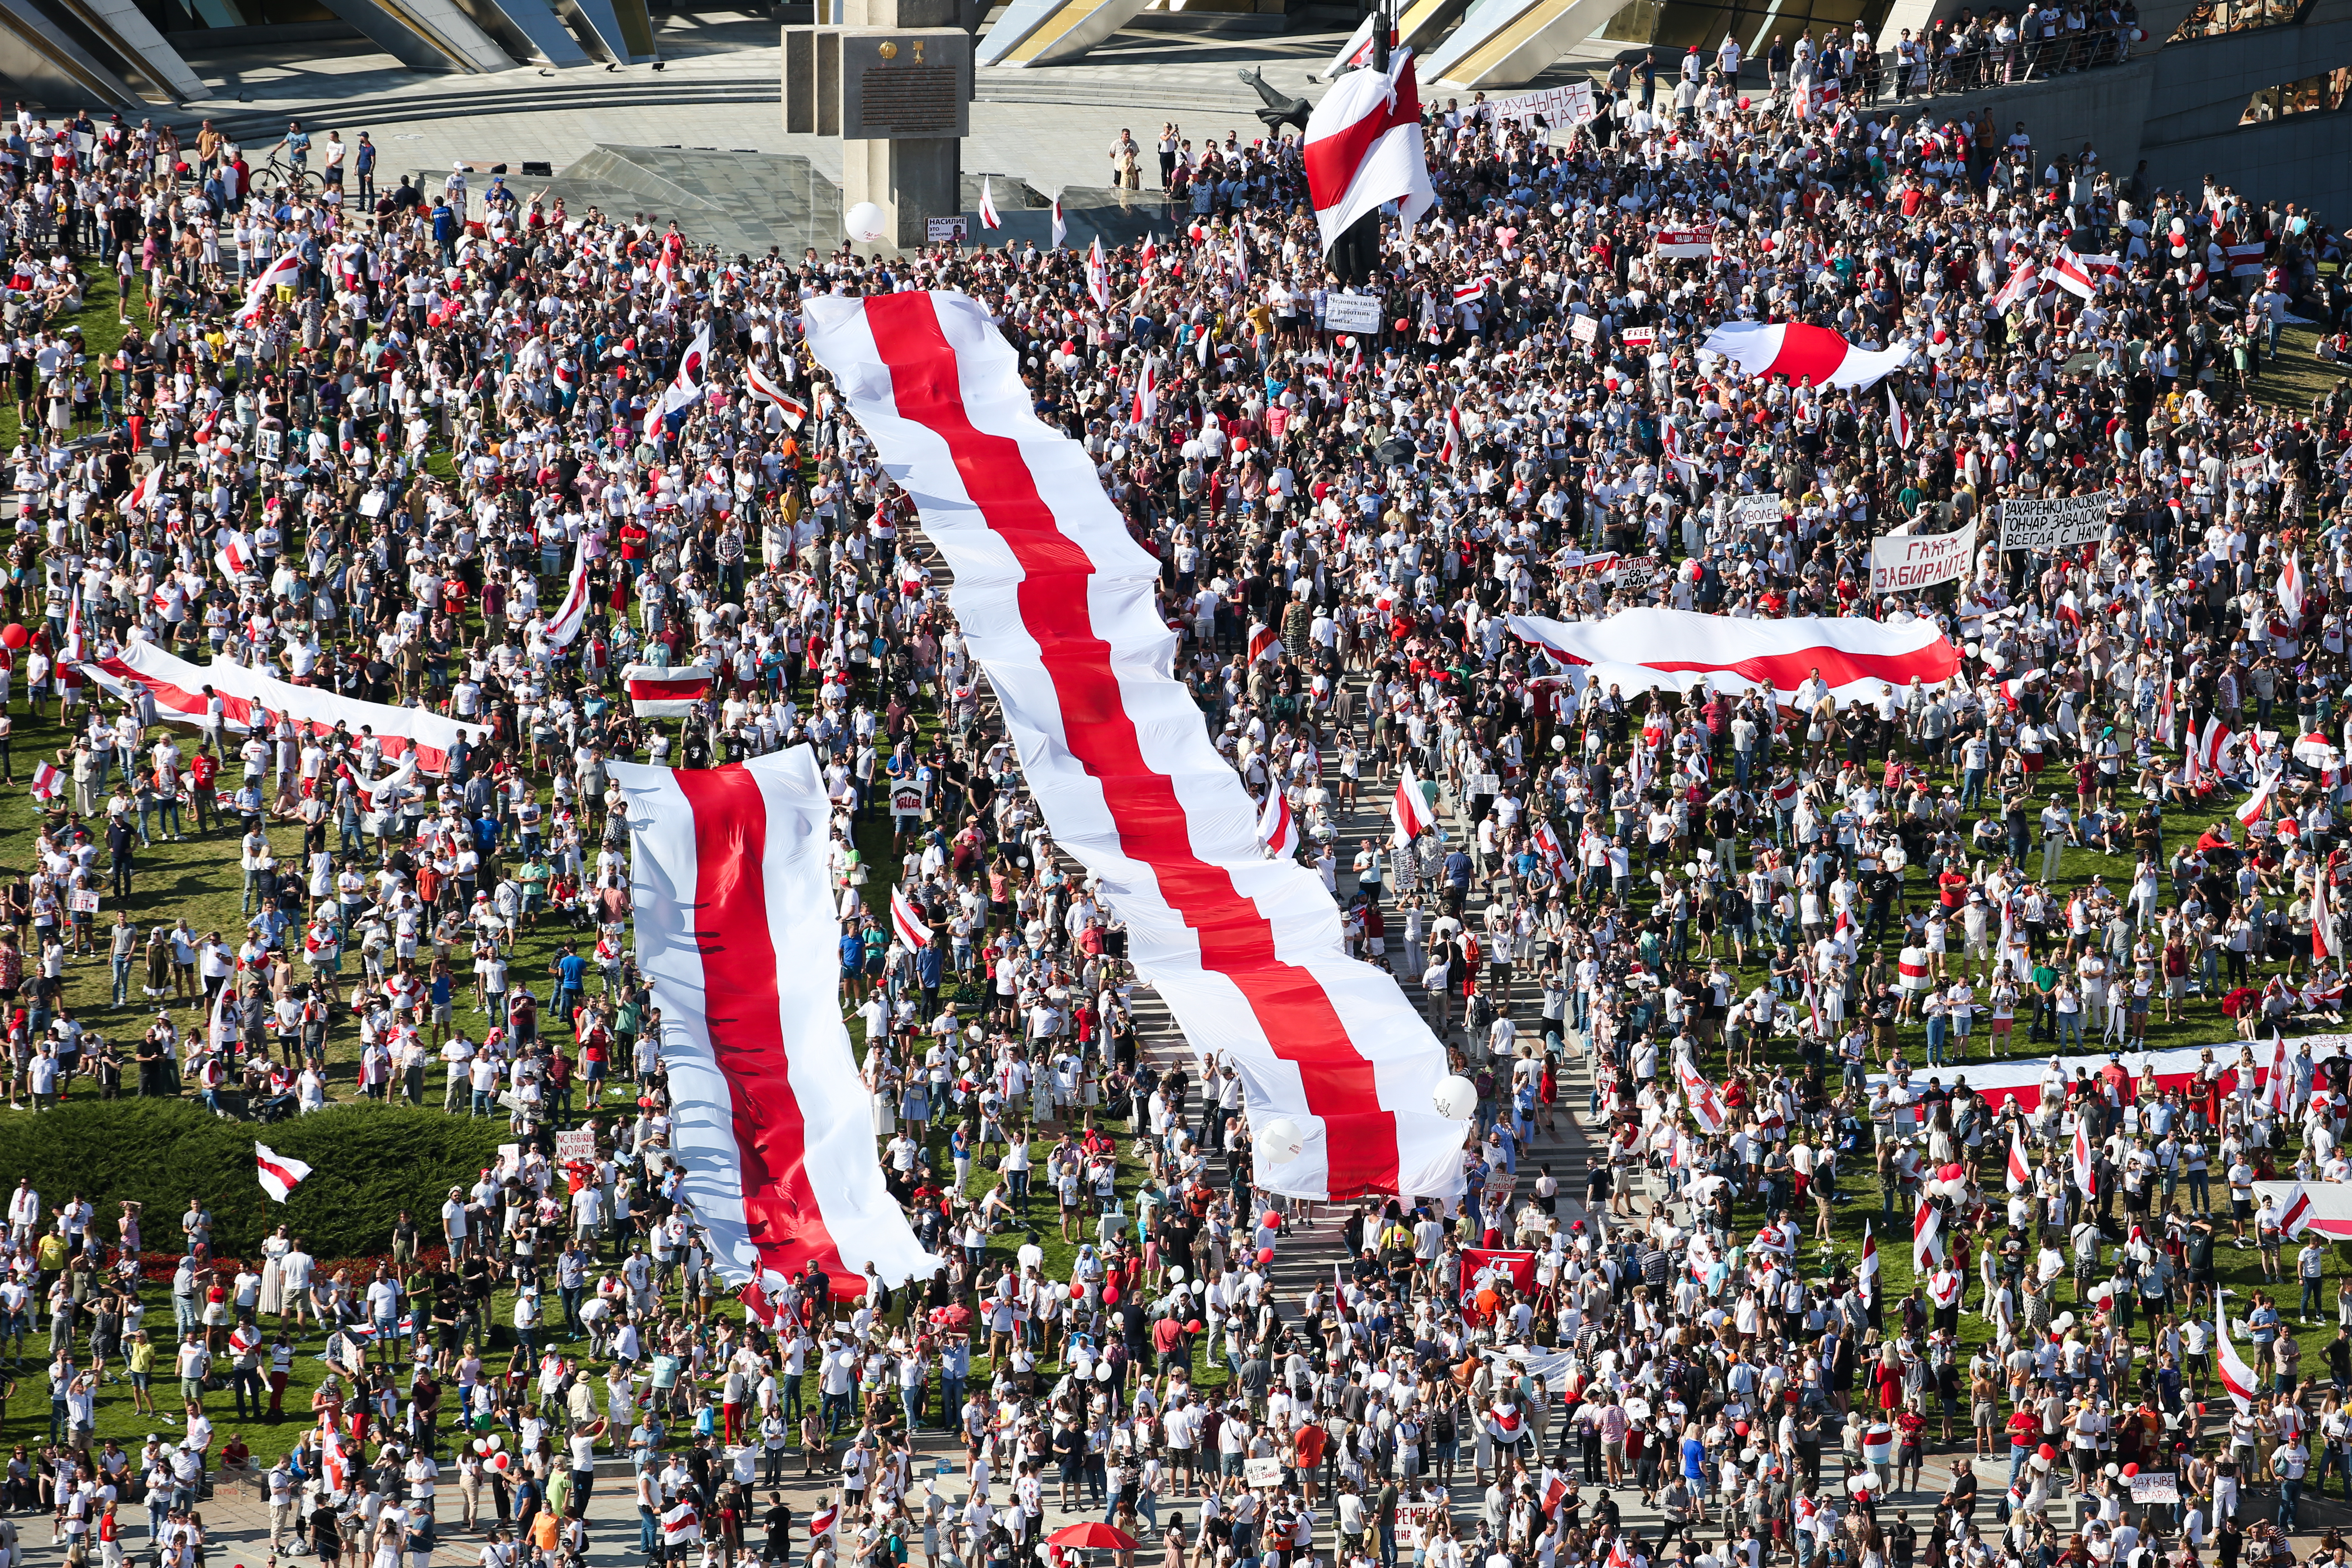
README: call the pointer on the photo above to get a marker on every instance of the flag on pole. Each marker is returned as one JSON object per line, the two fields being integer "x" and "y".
{"x": 1363, "y": 148}
{"x": 1061, "y": 229}
{"x": 1897, "y": 420}
{"x": 281, "y": 1173}
{"x": 48, "y": 781}
{"x": 2021, "y": 1174}
{"x": 573, "y": 613}
{"x": 1264, "y": 642}
{"x": 2236, "y": 1375}
{"x": 988, "y": 219}
{"x": 1926, "y": 1237}
{"x": 1277, "y": 826}
{"x": 908, "y": 921}
{"x": 1866, "y": 1278}
{"x": 283, "y": 269}
{"x": 1706, "y": 1107}
{"x": 1147, "y": 393}
{"x": 2086, "y": 1173}
{"x": 2325, "y": 942}
{"x": 2290, "y": 588}
{"x": 1098, "y": 276}
{"x": 1409, "y": 809}
{"x": 771, "y": 390}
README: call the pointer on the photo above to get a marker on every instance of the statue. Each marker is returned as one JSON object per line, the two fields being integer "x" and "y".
{"x": 1279, "y": 111}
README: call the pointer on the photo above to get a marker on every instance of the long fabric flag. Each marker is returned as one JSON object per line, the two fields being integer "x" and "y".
{"x": 249, "y": 696}
{"x": 774, "y": 1128}
{"x": 666, "y": 691}
{"x": 1803, "y": 352}
{"x": 2236, "y": 1375}
{"x": 573, "y": 613}
{"x": 1057, "y": 602}
{"x": 1681, "y": 650}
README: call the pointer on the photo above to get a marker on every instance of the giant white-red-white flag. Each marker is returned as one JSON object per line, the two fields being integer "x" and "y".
{"x": 1058, "y": 603}
{"x": 1681, "y": 650}
{"x": 1363, "y": 148}
{"x": 773, "y": 1126}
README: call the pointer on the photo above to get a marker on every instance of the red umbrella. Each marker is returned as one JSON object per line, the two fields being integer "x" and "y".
{"x": 1092, "y": 1534}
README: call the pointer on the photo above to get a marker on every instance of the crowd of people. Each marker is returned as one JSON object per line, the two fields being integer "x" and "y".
{"x": 373, "y": 478}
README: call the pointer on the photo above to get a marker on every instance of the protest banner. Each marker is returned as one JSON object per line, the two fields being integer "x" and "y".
{"x": 1749, "y": 511}
{"x": 2054, "y": 522}
{"x": 1572, "y": 105}
{"x": 1639, "y": 337}
{"x": 1350, "y": 312}
{"x": 1584, "y": 329}
{"x": 1263, "y": 1471}
{"x": 1902, "y": 561}
{"x": 1685, "y": 244}
{"x": 2156, "y": 1488}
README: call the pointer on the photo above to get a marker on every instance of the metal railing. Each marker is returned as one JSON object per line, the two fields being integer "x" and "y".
{"x": 1987, "y": 63}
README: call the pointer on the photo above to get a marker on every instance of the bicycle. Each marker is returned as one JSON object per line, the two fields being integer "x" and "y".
{"x": 286, "y": 175}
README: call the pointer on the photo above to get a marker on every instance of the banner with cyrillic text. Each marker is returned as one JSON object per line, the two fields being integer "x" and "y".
{"x": 1900, "y": 563}
{"x": 2054, "y": 522}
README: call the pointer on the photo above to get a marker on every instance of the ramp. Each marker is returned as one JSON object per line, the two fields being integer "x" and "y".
{"x": 1052, "y": 32}
{"x": 44, "y": 64}
{"x": 1509, "y": 43}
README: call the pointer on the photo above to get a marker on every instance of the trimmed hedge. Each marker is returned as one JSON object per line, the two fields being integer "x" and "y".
{"x": 368, "y": 1162}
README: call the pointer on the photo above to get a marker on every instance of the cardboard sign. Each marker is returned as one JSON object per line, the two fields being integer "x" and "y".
{"x": 2161, "y": 1487}
{"x": 1262, "y": 1472}
{"x": 1351, "y": 313}
{"x": 579, "y": 1143}
{"x": 1750, "y": 512}
{"x": 1904, "y": 560}
{"x": 1685, "y": 244}
{"x": 907, "y": 797}
{"x": 1638, "y": 337}
{"x": 2054, "y": 522}
{"x": 944, "y": 230}
{"x": 1584, "y": 329}
{"x": 1572, "y": 105}
{"x": 82, "y": 902}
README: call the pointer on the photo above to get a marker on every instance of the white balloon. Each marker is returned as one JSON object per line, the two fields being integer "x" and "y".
{"x": 1281, "y": 1141}
{"x": 1456, "y": 1099}
{"x": 1176, "y": 1272}
{"x": 865, "y": 221}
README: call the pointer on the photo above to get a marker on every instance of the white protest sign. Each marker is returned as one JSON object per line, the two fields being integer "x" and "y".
{"x": 2054, "y": 522}
{"x": 1262, "y": 1472}
{"x": 2159, "y": 1488}
{"x": 1902, "y": 561}
{"x": 1350, "y": 312}
{"x": 1572, "y": 105}
{"x": 1749, "y": 511}
{"x": 579, "y": 1143}
{"x": 1584, "y": 329}
{"x": 1639, "y": 337}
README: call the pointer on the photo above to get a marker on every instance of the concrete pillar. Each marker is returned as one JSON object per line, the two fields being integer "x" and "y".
{"x": 912, "y": 179}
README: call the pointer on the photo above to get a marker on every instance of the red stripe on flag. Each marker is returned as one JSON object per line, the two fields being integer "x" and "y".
{"x": 1787, "y": 671}
{"x": 1809, "y": 351}
{"x": 649, "y": 691}
{"x": 1236, "y": 941}
{"x": 741, "y": 1009}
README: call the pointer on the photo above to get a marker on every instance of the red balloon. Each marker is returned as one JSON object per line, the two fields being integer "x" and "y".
{"x": 1265, "y": 1256}
{"x": 1403, "y": 325}
{"x": 2047, "y": 1452}
{"x": 15, "y": 635}
{"x": 2130, "y": 1470}
{"x": 1111, "y": 1295}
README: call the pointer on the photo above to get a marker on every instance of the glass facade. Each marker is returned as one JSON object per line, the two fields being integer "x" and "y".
{"x": 1676, "y": 24}
{"x": 2312, "y": 95}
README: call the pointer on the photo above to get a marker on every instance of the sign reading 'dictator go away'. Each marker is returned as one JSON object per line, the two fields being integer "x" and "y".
{"x": 1903, "y": 562}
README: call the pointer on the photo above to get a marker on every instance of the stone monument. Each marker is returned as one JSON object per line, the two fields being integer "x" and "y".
{"x": 894, "y": 81}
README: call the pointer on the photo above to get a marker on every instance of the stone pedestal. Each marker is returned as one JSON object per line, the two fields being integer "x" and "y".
{"x": 894, "y": 81}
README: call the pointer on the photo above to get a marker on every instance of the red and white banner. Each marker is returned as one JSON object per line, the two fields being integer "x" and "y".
{"x": 1683, "y": 651}
{"x": 1865, "y": 1276}
{"x": 1057, "y": 602}
{"x": 2236, "y": 1375}
{"x": 1926, "y": 1237}
{"x": 773, "y": 1127}
{"x": 284, "y": 269}
{"x": 666, "y": 691}
{"x": 249, "y": 696}
{"x": 1364, "y": 149}
{"x": 281, "y": 1173}
{"x": 1685, "y": 244}
{"x": 1277, "y": 826}
{"x": 1705, "y": 1105}
{"x": 1803, "y": 352}
{"x": 1409, "y": 809}
{"x": 48, "y": 781}
{"x": 2086, "y": 1169}
{"x": 2021, "y": 1170}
